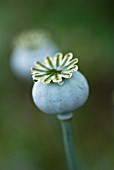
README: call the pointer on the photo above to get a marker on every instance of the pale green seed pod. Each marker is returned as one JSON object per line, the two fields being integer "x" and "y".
{"x": 28, "y": 47}
{"x": 53, "y": 97}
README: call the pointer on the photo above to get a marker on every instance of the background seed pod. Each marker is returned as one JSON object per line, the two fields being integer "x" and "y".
{"x": 24, "y": 55}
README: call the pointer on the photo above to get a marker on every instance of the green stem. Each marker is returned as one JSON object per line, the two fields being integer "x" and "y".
{"x": 68, "y": 143}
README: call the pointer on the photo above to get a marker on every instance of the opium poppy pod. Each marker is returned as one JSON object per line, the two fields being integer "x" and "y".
{"x": 59, "y": 88}
{"x": 28, "y": 47}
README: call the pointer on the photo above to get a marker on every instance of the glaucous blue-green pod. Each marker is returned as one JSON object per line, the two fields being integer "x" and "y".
{"x": 29, "y": 47}
{"x": 61, "y": 99}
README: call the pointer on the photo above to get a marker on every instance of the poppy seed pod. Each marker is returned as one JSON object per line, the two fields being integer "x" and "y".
{"x": 60, "y": 88}
{"x": 28, "y": 47}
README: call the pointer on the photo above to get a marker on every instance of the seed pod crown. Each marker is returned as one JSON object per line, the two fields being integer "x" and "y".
{"x": 55, "y": 69}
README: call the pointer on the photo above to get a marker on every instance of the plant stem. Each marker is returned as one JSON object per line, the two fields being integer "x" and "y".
{"x": 68, "y": 143}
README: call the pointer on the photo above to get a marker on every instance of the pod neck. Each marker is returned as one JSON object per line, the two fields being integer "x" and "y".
{"x": 65, "y": 116}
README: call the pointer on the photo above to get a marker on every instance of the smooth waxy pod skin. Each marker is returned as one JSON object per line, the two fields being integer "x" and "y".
{"x": 55, "y": 99}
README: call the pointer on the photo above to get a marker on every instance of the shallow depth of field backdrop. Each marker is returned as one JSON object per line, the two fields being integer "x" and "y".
{"x": 31, "y": 140}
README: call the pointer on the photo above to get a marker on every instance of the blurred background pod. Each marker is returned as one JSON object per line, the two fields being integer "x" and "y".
{"x": 28, "y": 47}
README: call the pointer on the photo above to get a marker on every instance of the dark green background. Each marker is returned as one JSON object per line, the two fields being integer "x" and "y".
{"x": 31, "y": 140}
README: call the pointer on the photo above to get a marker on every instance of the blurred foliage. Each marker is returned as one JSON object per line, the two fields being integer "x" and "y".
{"x": 30, "y": 140}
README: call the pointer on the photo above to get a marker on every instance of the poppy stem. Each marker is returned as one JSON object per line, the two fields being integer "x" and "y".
{"x": 69, "y": 143}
